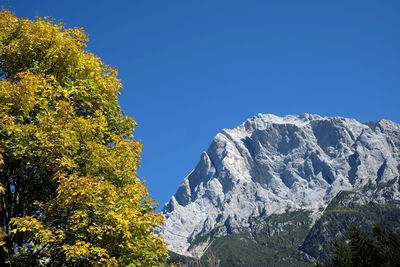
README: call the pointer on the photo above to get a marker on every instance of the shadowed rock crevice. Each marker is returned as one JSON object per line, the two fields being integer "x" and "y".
{"x": 327, "y": 134}
{"x": 354, "y": 162}
{"x": 381, "y": 170}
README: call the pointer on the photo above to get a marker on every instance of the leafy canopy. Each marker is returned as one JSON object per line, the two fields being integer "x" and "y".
{"x": 69, "y": 193}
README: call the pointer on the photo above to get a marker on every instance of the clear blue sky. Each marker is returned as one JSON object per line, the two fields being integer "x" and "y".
{"x": 192, "y": 68}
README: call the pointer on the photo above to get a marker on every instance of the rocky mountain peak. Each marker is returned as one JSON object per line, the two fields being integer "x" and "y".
{"x": 270, "y": 165}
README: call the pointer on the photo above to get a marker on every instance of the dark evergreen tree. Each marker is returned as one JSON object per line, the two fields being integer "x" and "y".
{"x": 343, "y": 257}
{"x": 380, "y": 249}
{"x": 365, "y": 250}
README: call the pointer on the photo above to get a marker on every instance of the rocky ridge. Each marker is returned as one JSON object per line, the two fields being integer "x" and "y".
{"x": 272, "y": 165}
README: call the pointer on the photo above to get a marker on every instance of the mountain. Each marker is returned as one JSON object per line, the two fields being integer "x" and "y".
{"x": 275, "y": 178}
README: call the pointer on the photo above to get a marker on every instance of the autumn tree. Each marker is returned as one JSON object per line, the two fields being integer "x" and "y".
{"x": 69, "y": 194}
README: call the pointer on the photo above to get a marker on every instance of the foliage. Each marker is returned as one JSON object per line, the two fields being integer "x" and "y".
{"x": 343, "y": 254}
{"x": 268, "y": 241}
{"x": 69, "y": 193}
{"x": 343, "y": 211}
{"x": 380, "y": 249}
{"x": 287, "y": 240}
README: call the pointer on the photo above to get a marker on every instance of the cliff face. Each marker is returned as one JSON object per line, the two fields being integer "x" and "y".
{"x": 272, "y": 165}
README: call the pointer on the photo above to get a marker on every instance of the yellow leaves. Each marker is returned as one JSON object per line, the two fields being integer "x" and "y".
{"x": 18, "y": 98}
{"x": 62, "y": 126}
{"x": 2, "y": 189}
{"x": 80, "y": 248}
{"x": 79, "y": 217}
{"x": 43, "y": 236}
{"x": 100, "y": 211}
{"x": 75, "y": 192}
{"x": 46, "y": 46}
{"x": 84, "y": 249}
{"x": 1, "y": 162}
{"x": 2, "y": 242}
{"x": 39, "y": 231}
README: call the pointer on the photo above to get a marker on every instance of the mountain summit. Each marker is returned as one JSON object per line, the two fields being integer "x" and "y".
{"x": 275, "y": 165}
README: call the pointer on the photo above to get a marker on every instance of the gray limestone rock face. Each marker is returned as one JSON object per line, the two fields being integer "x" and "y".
{"x": 270, "y": 165}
